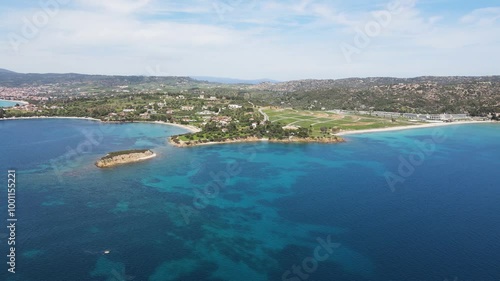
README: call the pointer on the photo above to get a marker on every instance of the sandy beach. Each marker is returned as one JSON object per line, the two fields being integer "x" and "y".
{"x": 194, "y": 129}
{"x": 190, "y": 128}
{"x": 411, "y": 127}
{"x": 49, "y": 117}
{"x": 17, "y": 101}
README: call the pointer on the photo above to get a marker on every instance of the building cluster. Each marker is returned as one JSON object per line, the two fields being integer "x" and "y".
{"x": 25, "y": 93}
{"x": 437, "y": 117}
{"x": 411, "y": 116}
{"x": 424, "y": 117}
{"x": 29, "y": 108}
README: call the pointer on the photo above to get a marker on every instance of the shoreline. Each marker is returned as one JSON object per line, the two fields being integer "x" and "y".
{"x": 184, "y": 145}
{"x": 120, "y": 160}
{"x": 190, "y": 128}
{"x": 21, "y": 102}
{"x": 146, "y": 157}
{"x": 51, "y": 117}
{"x": 193, "y": 129}
{"x": 261, "y": 140}
{"x": 410, "y": 127}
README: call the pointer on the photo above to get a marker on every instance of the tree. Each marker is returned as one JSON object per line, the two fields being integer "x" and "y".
{"x": 231, "y": 127}
{"x": 2, "y": 113}
{"x": 210, "y": 127}
{"x": 303, "y": 133}
{"x": 323, "y": 130}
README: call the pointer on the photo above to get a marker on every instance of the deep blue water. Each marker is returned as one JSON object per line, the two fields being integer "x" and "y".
{"x": 252, "y": 211}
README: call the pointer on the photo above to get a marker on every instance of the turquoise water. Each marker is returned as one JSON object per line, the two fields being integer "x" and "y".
{"x": 253, "y": 211}
{"x": 6, "y": 103}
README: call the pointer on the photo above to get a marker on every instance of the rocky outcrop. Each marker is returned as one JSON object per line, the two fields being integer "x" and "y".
{"x": 333, "y": 139}
{"x": 124, "y": 157}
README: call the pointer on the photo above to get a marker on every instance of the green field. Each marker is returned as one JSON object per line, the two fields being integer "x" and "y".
{"x": 318, "y": 119}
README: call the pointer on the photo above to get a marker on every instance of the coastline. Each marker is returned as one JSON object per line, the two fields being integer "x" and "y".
{"x": 255, "y": 139}
{"x": 124, "y": 159}
{"x": 21, "y": 102}
{"x": 193, "y": 129}
{"x": 51, "y": 117}
{"x": 190, "y": 128}
{"x": 410, "y": 127}
{"x": 147, "y": 157}
{"x": 248, "y": 140}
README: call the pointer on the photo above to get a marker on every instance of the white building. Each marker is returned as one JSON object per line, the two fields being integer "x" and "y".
{"x": 187, "y": 108}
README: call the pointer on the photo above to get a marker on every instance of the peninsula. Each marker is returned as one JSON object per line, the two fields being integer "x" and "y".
{"x": 124, "y": 157}
{"x": 178, "y": 142}
{"x": 303, "y": 111}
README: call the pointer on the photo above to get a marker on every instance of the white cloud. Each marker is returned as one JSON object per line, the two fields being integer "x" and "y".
{"x": 274, "y": 39}
{"x": 483, "y": 17}
{"x": 119, "y": 6}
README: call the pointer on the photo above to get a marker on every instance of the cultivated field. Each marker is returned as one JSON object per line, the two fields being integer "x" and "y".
{"x": 331, "y": 121}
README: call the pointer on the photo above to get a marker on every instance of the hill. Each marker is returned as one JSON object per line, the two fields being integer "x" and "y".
{"x": 476, "y": 95}
{"x": 232, "y": 80}
{"x": 454, "y": 94}
{"x": 13, "y": 79}
{"x": 5, "y": 71}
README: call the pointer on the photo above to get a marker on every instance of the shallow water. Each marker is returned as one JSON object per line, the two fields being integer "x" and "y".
{"x": 6, "y": 103}
{"x": 253, "y": 211}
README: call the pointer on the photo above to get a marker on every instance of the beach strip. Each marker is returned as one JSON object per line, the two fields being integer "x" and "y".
{"x": 410, "y": 127}
{"x": 190, "y": 128}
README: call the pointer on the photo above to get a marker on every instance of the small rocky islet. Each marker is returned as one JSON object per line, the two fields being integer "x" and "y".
{"x": 117, "y": 158}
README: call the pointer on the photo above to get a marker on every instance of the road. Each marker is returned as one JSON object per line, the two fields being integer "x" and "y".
{"x": 266, "y": 117}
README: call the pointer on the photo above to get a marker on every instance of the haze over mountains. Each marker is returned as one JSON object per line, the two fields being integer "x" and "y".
{"x": 263, "y": 84}
{"x": 11, "y": 76}
{"x": 232, "y": 80}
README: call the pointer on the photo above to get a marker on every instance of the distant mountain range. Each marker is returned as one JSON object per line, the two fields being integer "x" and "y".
{"x": 232, "y": 80}
{"x": 3, "y": 71}
{"x": 427, "y": 94}
{"x": 14, "y": 77}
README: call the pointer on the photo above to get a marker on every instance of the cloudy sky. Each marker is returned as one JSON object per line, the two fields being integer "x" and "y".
{"x": 252, "y": 39}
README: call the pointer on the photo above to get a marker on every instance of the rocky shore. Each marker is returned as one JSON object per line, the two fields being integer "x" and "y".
{"x": 124, "y": 157}
{"x": 332, "y": 139}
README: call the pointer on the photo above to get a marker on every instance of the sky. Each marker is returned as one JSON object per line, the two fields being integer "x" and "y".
{"x": 252, "y": 39}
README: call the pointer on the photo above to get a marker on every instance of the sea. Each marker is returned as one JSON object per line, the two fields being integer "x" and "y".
{"x": 7, "y": 103}
{"x": 419, "y": 205}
